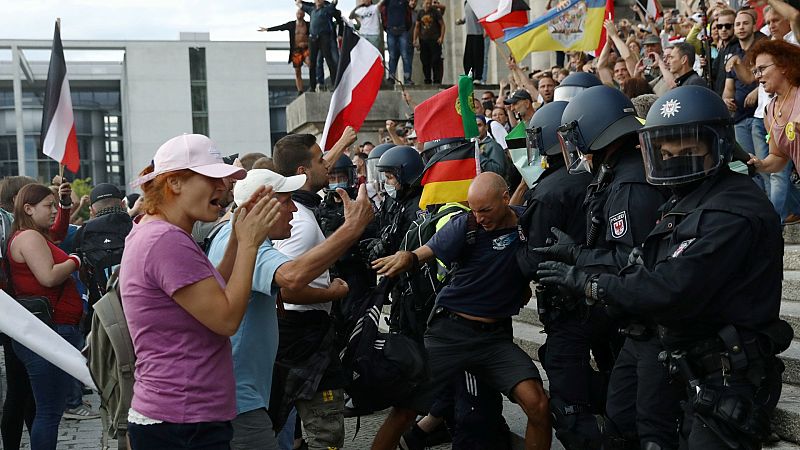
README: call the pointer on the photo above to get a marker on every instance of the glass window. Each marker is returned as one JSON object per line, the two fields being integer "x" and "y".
{"x": 197, "y": 64}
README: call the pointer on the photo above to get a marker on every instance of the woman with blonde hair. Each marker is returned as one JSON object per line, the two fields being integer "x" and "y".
{"x": 39, "y": 268}
{"x": 181, "y": 310}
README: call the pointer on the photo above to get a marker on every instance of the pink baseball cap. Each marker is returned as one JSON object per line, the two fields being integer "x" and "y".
{"x": 195, "y": 152}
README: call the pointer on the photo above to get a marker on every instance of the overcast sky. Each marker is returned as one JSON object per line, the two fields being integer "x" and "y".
{"x": 228, "y": 20}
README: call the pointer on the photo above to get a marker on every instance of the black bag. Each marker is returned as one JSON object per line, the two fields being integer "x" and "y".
{"x": 99, "y": 244}
{"x": 381, "y": 368}
{"x": 38, "y": 306}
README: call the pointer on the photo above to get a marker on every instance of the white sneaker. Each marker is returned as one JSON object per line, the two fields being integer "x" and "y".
{"x": 80, "y": 412}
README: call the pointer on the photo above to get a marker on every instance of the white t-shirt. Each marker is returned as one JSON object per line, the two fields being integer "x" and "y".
{"x": 370, "y": 19}
{"x": 306, "y": 235}
{"x": 791, "y": 38}
{"x": 763, "y": 101}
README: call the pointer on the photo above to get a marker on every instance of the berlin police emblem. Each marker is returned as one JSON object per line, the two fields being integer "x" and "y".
{"x": 619, "y": 224}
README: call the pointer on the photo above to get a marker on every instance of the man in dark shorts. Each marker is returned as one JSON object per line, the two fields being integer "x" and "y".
{"x": 298, "y": 45}
{"x": 471, "y": 325}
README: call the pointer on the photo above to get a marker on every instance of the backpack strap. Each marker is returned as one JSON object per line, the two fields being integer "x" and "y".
{"x": 212, "y": 234}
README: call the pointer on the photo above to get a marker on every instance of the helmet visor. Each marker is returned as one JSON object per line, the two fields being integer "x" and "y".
{"x": 534, "y": 144}
{"x": 373, "y": 174}
{"x": 677, "y": 155}
{"x": 567, "y": 93}
{"x": 573, "y": 148}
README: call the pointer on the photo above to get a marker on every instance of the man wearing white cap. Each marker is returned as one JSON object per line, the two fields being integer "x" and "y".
{"x": 255, "y": 344}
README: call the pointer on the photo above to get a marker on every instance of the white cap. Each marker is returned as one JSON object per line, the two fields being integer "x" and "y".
{"x": 256, "y": 178}
{"x": 195, "y": 152}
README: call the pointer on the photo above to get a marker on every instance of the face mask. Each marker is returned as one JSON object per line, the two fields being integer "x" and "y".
{"x": 334, "y": 186}
{"x": 530, "y": 171}
{"x": 681, "y": 166}
{"x": 391, "y": 190}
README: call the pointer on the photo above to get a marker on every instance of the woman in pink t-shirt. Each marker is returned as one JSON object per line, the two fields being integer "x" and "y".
{"x": 775, "y": 66}
{"x": 180, "y": 309}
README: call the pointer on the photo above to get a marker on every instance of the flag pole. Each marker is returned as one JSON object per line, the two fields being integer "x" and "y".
{"x": 60, "y": 166}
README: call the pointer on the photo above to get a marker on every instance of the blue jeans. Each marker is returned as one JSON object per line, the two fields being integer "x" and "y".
{"x": 399, "y": 46}
{"x": 75, "y": 396}
{"x": 50, "y": 386}
{"x": 173, "y": 436}
{"x": 320, "y": 69}
{"x": 286, "y": 435}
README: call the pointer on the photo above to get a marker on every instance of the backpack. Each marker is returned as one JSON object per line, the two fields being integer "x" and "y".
{"x": 415, "y": 302}
{"x": 111, "y": 360}
{"x": 99, "y": 244}
{"x": 380, "y": 368}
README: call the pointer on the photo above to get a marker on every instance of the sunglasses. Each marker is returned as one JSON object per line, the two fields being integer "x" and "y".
{"x": 726, "y": 26}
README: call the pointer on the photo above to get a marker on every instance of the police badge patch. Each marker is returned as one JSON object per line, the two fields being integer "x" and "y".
{"x": 619, "y": 224}
{"x": 682, "y": 247}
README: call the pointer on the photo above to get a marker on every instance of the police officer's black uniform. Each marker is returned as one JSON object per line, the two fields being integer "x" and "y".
{"x": 621, "y": 209}
{"x": 709, "y": 274}
{"x": 556, "y": 200}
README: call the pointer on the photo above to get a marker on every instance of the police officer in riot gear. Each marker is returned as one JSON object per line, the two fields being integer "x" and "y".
{"x": 399, "y": 169}
{"x": 709, "y": 274}
{"x": 574, "y": 84}
{"x": 351, "y": 267}
{"x": 621, "y": 210}
{"x": 556, "y": 200}
{"x": 374, "y": 177}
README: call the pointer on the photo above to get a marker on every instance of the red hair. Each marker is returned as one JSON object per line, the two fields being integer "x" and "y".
{"x": 157, "y": 191}
{"x": 784, "y": 54}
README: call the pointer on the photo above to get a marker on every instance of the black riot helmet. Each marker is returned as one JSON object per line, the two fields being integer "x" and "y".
{"x": 403, "y": 162}
{"x": 542, "y": 130}
{"x": 372, "y": 161}
{"x": 439, "y": 145}
{"x": 342, "y": 174}
{"x": 574, "y": 84}
{"x": 688, "y": 136}
{"x": 592, "y": 121}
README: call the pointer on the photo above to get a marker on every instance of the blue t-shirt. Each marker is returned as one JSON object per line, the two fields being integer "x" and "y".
{"x": 488, "y": 282}
{"x": 255, "y": 344}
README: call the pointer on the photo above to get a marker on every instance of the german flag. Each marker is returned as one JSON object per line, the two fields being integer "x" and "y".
{"x": 448, "y": 175}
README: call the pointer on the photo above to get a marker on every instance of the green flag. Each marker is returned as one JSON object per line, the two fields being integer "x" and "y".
{"x": 517, "y": 136}
{"x": 468, "y": 113}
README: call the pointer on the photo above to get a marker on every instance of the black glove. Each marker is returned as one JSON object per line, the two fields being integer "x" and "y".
{"x": 570, "y": 279}
{"x": 565, "y": 249}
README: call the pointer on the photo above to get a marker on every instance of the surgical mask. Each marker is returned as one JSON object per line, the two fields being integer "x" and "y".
{"x": 390, "y": 189}
{"x": 334, "y": 186}
{"x": 530, "y": 170}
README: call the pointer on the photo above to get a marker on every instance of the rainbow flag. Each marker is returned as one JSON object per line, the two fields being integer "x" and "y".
{"x": 573, "y": 25}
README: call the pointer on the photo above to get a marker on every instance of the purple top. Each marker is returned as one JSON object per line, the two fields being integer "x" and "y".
{"x": 184, "y": 371}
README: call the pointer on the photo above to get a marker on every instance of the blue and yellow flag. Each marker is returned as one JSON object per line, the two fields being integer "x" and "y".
{"x": 574, "y": 25}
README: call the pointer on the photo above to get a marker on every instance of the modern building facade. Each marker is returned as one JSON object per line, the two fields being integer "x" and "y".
{"x": 142, "y": 94}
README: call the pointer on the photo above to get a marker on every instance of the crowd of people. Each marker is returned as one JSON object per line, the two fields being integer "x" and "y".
{"x": 645, "y": 214}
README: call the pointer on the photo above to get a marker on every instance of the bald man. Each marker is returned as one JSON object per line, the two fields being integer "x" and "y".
{"x": 471, "y": 325}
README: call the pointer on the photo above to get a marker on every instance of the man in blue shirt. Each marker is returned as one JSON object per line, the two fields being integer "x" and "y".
{"x": 322, "y": 36}
{"x": 255, "y": 343}
{"x": 471, "y": 324}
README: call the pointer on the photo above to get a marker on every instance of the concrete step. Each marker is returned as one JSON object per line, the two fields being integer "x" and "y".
{"x": 787, "y": 416}
{"x": 791, "y": 234}
{"x": 791, "y": 285}
{"x": 791, "y": 257}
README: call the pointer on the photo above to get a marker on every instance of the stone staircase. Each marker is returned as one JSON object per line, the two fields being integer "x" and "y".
{"x": 528, "y": 333}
